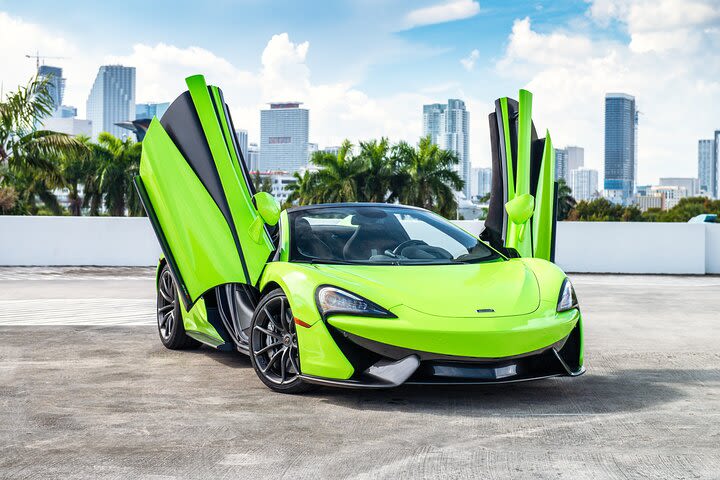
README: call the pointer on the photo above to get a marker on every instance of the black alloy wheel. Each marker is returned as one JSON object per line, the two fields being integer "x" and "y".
{"x": 169, "y": 319}
{"x": 274, "y": 347}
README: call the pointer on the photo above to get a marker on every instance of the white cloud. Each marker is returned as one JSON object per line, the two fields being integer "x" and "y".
{"x": 468, "y": 62}
{"x": 337, "y": 110}
{"x": 447, "y": 11}
{"x": 660, "y": 25}
{"x": 569, "y": 74}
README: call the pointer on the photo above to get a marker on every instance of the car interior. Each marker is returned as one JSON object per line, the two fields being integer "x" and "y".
{"x": 364, "y": 235}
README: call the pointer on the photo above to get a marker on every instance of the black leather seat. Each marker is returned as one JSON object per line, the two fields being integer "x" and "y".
{"x": 307, "y": 243}
{"x": 369, "y": 239}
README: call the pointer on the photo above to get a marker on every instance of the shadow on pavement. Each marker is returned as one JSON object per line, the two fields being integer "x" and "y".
{"x": 622, "y": 391}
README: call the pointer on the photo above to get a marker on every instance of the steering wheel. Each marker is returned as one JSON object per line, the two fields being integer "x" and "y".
{"x": 397, "y": 251}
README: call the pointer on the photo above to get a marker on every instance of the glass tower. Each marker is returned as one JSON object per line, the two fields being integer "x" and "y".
{"x": 150, "y": 110}
{"x": 447, "y": 124}
{"x": 620, "y": 147}
{"x": 561, "y": 164}
{"x": 112, "y": 99}
{"x": 56, "y": 83}
{"x": 283, "y": 137}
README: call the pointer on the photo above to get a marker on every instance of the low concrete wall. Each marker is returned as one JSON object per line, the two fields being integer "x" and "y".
{"x": 597, "y": 247}
{"x": 113, "y": 241}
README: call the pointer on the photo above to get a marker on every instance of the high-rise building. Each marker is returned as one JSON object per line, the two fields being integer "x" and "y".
{"x": 621, "y": 121}
{"x": 253, "y": 157}
{"x": 448, "y": 125}
{"x": 576, "y": 157}
{"x": 284, "y": 137}
{"x": 561, "y": 164}
{"x": 691, "y": 185}
{"x": 56, "y": 83}
{"x": 150, "y": 110}
{"x": 707, "y": 167}
{"x": 242, "y": 139}
{"x": 112, "y": 99}
{"x": 583, "y": 183}
{"x": 484, "y": 181}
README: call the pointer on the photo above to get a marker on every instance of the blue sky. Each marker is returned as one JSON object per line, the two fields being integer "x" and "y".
{"x": 364, "y": 68}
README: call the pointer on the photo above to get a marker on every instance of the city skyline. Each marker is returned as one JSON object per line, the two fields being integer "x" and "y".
{"x": 568, "y": 54}
{"x": 285, "y": 134}
{"x": 447, "y": 124}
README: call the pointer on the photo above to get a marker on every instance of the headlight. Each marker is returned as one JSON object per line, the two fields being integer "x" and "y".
{"x": 332, "y": 300}
{"x": 567, "y": 299}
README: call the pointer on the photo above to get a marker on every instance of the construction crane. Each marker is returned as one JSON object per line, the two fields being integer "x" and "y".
{"x": 37, "y": 58}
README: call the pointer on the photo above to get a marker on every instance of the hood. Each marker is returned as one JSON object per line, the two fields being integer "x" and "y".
{"x": 501, "y": 288}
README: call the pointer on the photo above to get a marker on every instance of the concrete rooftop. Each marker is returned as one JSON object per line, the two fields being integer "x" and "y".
{"x": 88, "y": 391}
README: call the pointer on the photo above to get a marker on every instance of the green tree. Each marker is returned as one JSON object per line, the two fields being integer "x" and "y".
{"x": 78, "y": 169}
{"x": 566, "y": 202}
{"x": 305, "y": 189}
{"x": 29, "y": 156}
{"x": 119, "y": 162}
{"x": 338, "y": 175}
{"x": 686, "y": 209}
{"x": 425, "y": 177}
{"x": 376, "y": 178}
{"x": 261, "y": 184}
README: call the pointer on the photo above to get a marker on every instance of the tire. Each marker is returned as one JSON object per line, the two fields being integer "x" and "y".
{"x": 169, "y": 318}
{"x": 273, "y": 345}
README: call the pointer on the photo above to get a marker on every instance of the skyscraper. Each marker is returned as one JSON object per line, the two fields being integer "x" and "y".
{"x": 242, "y": 139}
{"x": 150, "y": 110}
{"x": 448, "y": 127}
{"x": 576, "y": 157}
{"x": 253, "y": 159}
{"x": 56, "y": 83}
{"x": 284, "y": 137}
{"x": 561, "y": 164}
{"x": 583, "y": 183}
{"x": 620, "y": 147}
{"x": 112, "y": 99}
{"x": 484, "y": 181}
{"x": 706, "y": 166}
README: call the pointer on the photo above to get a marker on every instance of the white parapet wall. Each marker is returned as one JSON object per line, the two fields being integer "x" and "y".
{"x": 593, "y": 247}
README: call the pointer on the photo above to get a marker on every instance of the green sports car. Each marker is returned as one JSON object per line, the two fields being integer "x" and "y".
{"x": 356, "y": 295}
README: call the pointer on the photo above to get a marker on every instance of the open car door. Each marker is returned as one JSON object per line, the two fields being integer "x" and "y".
{"x": 523, "y": 197}
{"x": 197, "y": 193}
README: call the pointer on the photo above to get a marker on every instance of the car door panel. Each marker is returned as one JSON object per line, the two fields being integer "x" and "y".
{"x": 195, "y": 188}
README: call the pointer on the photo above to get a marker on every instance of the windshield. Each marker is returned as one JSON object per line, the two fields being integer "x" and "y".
{"x": 381, "y": 235}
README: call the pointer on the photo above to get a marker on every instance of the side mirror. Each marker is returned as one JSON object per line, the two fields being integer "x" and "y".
{"x": 520, "y": 208}
{"x": 267, "y": 207}
{"x": 269, "y": 212}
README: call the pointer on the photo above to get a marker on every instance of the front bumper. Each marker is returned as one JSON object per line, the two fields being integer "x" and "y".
{"x": 380, "y": 365}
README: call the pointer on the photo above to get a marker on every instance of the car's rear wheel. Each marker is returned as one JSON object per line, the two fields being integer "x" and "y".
{"x": 169, "y": 319}
{"x": 273, "y": 345}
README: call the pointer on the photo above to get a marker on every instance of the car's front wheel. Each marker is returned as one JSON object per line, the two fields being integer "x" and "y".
{"x": 169, "y": 319}
{"x": 273, "y": 345}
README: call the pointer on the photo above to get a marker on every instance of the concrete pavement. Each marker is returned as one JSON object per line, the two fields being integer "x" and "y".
{"x": 87, "y": 391}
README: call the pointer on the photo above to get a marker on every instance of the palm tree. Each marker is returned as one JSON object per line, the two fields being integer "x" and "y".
{"x": 339, "y": 175}
{"x": 261, "y": 184}
{"x": 426, "y": 177}
{"x": 566, "y": 202}
{"x": 374, "y": 182}
{"x": 80, "y": 169}
{"x": 119, "y": 164}
{"x": 29, "y": 155}
{"x": 305, "y": 190}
